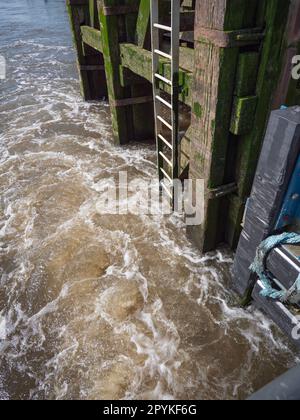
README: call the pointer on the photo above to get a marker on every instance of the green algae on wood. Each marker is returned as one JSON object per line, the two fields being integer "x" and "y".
{"x": 142, "y": 129}
{"x": 78, "y": 16}
{"x": 276, "y": 13}
{"x": 94, "y": 18}
{"x": 92, "y": 37}
{"x": 214, "y": 83}
{"x": 143, "y": 24}
{"x": 247, "y": 74}
{"x": 109, "y": 26}
{"x": 139, "y": 61}
{"x": 243, "y": 115}
{"x": 198, "y": 111}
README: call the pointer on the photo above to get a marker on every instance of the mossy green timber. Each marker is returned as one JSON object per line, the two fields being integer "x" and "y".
{"x": 249, "y": 145}
{"x": 139, "y": 61}
{"x": 91, "y": 37}
{"x": 90, "y": 60}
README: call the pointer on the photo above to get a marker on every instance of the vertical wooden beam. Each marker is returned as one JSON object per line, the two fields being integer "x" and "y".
{"x": 92, "y": 80}
{"x": 138, "y": 31}
{"x": 94, "y": 18}
{"x": 79, "y": 15}
{"x": 128, "y": 121}
{"x": 113, "y": 32}
{"x": 249, "y": 145}
{"x": 143, "y": 25}
{"x": 131, "y": 20}
{"x": 214, "y": 78}
{"x": 226, "y": 89}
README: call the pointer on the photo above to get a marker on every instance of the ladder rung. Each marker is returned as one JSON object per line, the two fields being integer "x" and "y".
{"x": 163, "y": 101}
{"x": 166, "y": 190}
{"x": 163, "y": 27}
{"x": 166, "y": 159}
{"x": 163, "y": 79}
{"x": 166, "y": 175}
{"x": 165, "y": 141}
{"x": 163, "y": 54}
{"x": 165, "y": 123}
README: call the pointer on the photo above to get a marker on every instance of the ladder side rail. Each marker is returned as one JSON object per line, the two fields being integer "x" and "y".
{"x": 175, "y": 24}
{"x": 155, "y": 70}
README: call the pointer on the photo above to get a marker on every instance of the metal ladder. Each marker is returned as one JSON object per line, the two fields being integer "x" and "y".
{"x": 168, "y": 167}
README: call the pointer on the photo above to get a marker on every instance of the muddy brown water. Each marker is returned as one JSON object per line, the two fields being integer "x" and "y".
{"x": 102, "y": 306}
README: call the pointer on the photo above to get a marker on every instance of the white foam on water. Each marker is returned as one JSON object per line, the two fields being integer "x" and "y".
{"x": 2, "y": 327}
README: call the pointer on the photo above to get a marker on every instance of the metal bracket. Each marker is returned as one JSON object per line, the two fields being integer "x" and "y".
{"x": 222, "y": 191}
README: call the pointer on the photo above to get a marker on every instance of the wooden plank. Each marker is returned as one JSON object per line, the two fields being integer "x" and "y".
{"x": 78, "y": 15}
{"x": 128, "y": 102}
{"x": 139, "y": 61}
{"x": 131, "y": 20}
{"x": 133, "y": 101}
{"x": 243, "y": 114}
{"x": 92, "y": 37}
{"x": 90, "y": 62}
{"x": 229, "y": 39}
{"x": 94, "y": 18}
{"x": 142, "y": 129}
{"x": 111, "y": 34}
{"x": 143, "y": 25}
{"x": 246, "y": 77}
{"x": 119, "y": 9}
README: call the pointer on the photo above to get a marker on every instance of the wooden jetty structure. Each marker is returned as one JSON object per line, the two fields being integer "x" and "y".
{"x": 234, "y": 68}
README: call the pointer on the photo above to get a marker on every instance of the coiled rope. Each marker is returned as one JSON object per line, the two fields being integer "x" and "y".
{"x": 259, "y": 266}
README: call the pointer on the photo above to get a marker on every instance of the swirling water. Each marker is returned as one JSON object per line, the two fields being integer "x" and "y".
{"x": 102, "y": 306}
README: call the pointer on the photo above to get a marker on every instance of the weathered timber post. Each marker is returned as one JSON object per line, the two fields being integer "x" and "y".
{"x": 275, "y": 14}
{"x": 94, "y": 17}
{"x": 143, "y": 38}
{"x": 90, "y": 62}
{"x": 237, "y": 64}
{"x": 143, "y": 129}
{"x": 217, "y": 25}
{"x": 112, "y": 26}
{"x": 128, "y": 103}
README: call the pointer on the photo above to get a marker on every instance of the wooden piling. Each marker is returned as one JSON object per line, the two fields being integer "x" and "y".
{"x": 143, "y": 25}
{"x": 118, "y": 25}
{"x": 90, "y": 61}
{"x": 216, "y": 59}
{"x": 238, "y": 58}
{"x": 250, "y": 141}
